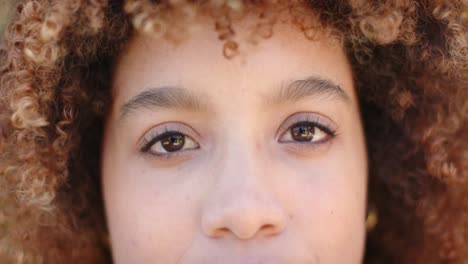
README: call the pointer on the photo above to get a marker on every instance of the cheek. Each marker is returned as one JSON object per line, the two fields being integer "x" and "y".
{"x": 149, "y": 212}
{"x": 328, "y": 198}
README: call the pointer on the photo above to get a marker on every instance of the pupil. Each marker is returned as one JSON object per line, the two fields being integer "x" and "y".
{"x": 173, "y": 143}
{"x": 303, "y": 132}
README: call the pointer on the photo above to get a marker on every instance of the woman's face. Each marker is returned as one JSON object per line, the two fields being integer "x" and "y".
{"x": 258, "y": 159}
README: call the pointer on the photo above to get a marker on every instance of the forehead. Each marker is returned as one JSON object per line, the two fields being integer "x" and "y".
{"x": 198, "y": 61}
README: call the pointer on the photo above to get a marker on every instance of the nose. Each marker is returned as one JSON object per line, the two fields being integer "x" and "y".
{"x": 245, "y": 217}
{"x": 242, "y": 203}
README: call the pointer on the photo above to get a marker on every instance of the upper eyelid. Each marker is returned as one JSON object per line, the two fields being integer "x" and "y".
{"x": 168, "y": 126}
{"x": 306, "y": 116}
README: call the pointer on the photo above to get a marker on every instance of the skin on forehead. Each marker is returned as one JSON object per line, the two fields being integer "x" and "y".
{"x": 211, "y": 46}
{"x": 242, "y": 196}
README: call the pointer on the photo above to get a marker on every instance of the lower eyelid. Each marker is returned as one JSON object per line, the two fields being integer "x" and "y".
{"x": 307, "y": 147}
{"x": 178, "y": 157}
{"x": 307, "y": 143}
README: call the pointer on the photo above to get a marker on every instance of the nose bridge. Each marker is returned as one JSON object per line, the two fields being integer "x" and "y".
{"x": 241, "y": 161}
{"x": 241, "y": 202}
{"x": 242, "y": 167}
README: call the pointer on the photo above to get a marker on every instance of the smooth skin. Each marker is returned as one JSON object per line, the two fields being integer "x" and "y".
{"x": 258, "y": 159}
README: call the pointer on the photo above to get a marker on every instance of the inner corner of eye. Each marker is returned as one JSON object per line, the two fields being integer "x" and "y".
{"x": 284, "y": 136}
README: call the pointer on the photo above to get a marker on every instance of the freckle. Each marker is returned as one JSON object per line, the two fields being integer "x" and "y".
{"x": 187, "y": 198}
{"x": 291, "y": 216}
{"x": 317, "y": 258}
{"x": 133, "y": 242}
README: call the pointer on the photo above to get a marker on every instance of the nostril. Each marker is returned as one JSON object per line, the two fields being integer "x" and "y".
{"x": 269, "y": 229}
{"x": 221, "y": 232}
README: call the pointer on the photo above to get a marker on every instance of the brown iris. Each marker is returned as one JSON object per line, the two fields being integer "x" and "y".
{"x": 303, "y": 132}
{"x": 173, "y": 142}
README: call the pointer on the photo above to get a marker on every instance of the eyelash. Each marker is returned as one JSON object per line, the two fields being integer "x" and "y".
{"x": 327, "y": 130}
{"x": 168, "y": 129}
{"x": 148, "y": 144}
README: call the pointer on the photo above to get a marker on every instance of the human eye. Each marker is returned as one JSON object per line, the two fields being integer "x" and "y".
{"x": 307, "y": 128}
{"x": 168, "y": 140}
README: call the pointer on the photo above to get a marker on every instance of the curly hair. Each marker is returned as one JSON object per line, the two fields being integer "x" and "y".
{"x": 409, "y": 61}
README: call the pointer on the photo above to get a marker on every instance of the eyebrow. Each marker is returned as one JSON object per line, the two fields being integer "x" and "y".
{"x": 311, "y": 86}
{"x": 177, "y": 97}
{"x": 163, "y": 97}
